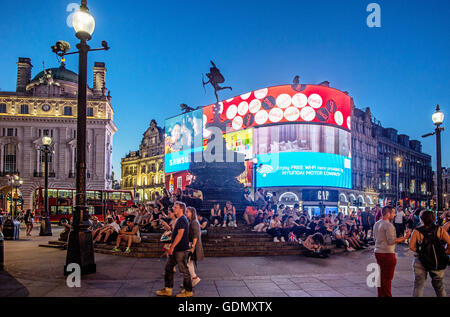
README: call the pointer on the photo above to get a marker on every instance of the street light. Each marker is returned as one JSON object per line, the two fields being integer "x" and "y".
{"x": 46, "y": 227}
{"x": 255, "y": 164}
{"x": 14, "y": 182}
{"x": 80, "y": 248}
{"x": 398, "y": 160}
{"x": 438, "y": 119}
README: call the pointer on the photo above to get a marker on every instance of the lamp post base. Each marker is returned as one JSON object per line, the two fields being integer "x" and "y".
{"x": 80, "y": 250}
{"x": 46, "y": 228}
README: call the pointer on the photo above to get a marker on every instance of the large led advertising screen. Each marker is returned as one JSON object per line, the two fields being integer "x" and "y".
{"x": 300, "y": 134}
{"x": 281, "y": 104}
{"x": 303, "y": 155}
{"x": 303, "y": 169}
{"x": 183, "y": 136}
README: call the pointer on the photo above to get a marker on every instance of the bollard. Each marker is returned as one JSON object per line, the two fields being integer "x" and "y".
{"x": 2, "y": 257}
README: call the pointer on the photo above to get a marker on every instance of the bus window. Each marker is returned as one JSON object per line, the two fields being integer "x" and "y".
{"x": 63, "y": 210}
{"x": 53, "y": 210}
{"x": 63, "y": 193}
{"x": 52, "y": 193}
{"x": 91, "y": 210}
{"x": 114, "y": 196}
{"x": 126, "y": 196}
{"x": 65, "y": 197}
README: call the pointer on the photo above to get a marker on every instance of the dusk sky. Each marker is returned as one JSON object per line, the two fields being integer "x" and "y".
{"x": 160, "y": 49}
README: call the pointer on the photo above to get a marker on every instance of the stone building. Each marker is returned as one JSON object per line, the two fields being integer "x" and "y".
{"x": 374, "y": 166}
{"x": 47, "y": 105}
{"x": 143, "y": 170}
{"x": 364, "y": 163}
{"x": 415, "y": 174}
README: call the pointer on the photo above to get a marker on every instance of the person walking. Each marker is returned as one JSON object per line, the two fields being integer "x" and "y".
{"x": 178, "y": 254}
{"x": 28, "y": 219}
{"x": 195, "y": 239}
{"x": 430, "y": 256}
{"x": 399, "y": 222}
{"x": 385, "y": 242}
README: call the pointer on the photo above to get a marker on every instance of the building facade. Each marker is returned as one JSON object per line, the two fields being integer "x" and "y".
{"x": 143, "y": 170}
{"x": 47, "y": 105}
{"x": 364, "y": 164}
{"x": 404, "y": 171}
{"x": 445, "y": 188}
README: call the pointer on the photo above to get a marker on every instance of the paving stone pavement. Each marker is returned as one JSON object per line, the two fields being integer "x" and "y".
{"x": 38, "y": 272}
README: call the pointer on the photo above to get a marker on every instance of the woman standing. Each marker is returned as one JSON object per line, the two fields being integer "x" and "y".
{"x": 430, "y": 255}
{"x": 28, "y": 219}
{"x": 195, "y": 238}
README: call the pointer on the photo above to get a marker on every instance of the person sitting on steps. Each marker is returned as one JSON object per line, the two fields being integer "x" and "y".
{"x": 130, "y": 233}
{"x": 229, "y": 215}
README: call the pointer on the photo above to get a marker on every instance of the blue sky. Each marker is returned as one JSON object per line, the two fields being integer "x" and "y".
{"x": 161, "y": 48}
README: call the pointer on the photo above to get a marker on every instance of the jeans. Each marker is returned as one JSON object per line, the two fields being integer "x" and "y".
{"x": 387, "y": 263}
{"x": 420, "y": 276}
{"x": 180, "y": 259}
{"x": 225, "y": 218}
{"x": 399, "y": 229}
{"x": 275, "y": 232}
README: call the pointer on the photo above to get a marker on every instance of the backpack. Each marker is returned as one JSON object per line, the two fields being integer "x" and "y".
{"x": 431, "y": 250}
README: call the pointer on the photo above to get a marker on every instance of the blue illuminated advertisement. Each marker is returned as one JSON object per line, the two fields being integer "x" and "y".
{"x": 304, "y": 169}
{"x": 183, "y": 136}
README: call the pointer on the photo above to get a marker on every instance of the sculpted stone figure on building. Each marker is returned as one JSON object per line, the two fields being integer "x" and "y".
{"x": 47, "y": 105}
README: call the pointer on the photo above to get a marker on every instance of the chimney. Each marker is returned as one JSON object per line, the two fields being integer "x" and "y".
{"x": 99, "y": 79}
{"x": 23, "y": 73}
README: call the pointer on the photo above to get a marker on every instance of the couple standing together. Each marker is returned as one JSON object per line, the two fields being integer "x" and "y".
{"x": 427, "y": 242}
{"x": 186, "y": 248}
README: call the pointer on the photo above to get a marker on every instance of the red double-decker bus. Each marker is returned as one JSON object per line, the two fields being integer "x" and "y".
{"x": 61, "y": 202}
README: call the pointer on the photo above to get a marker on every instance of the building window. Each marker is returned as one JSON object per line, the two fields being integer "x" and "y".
{"x": 67, "y": 111}
{"x": 2, "y": 107}
{"x": 90, "y": 112}
{"x": 10, "y": 132}
{"x": 24, "y": 109}
{"x": 9, "y": 158}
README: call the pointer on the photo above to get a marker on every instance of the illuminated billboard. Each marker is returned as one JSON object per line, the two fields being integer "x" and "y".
{"x": 302, "y": 138}
{"x": 300, "y": 134}
{"x": 281, "y": 104}
{"x": 303, "y": 169}
{"x": 183, "y": 136}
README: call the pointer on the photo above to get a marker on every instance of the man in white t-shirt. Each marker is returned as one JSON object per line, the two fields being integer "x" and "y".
{"x": 399, "y": 222}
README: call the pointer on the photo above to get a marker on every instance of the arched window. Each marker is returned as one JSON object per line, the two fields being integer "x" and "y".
{"x": 9, "y": 158}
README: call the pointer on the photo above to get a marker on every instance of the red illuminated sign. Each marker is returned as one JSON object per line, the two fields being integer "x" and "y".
{"x": 281, "y": 104}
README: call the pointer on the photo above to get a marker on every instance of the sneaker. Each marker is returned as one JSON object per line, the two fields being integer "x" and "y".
{"x": 282, "y": 239}
{"x": 128, "y": 250}
{"x": 185, "y": 293}
{"x": 224, "y": 225}
{"x": 275, "y": 239}
{"x": 350, "y": 249}
{"x": 116, "y": 250}
{"x": 195, "y": 281}
{"x": 235, "y": 225}
{"x": 164, "y": 292}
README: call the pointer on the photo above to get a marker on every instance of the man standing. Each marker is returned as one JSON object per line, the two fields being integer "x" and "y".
{"x": 178, "y": 253}
{"x": 365, "y": 220}
{"x": 385, "y": 241}
{"x": 399, "y": 222}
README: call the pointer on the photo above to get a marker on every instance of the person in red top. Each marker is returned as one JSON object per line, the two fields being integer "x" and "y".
{"x": 378, "y": 213}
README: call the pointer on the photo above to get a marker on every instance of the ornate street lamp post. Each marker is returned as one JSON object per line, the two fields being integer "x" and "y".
{"x": 80, "y": 248}
{"x": 46, "y": 227}
{"x": 438, "y": 119}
